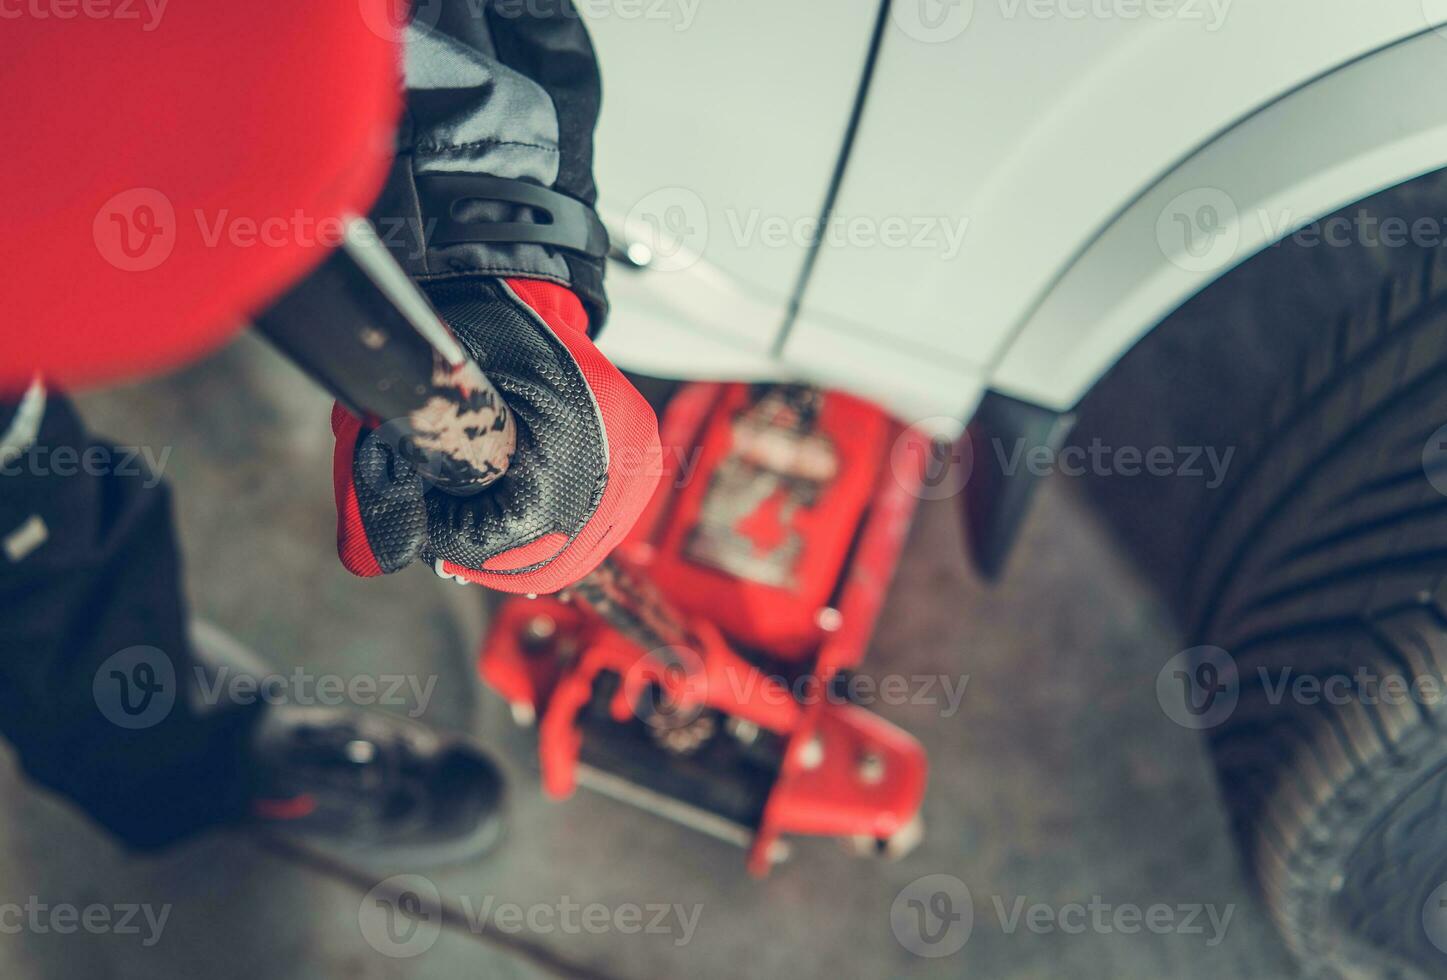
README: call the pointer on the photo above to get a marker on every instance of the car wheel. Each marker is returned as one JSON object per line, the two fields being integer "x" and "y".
{"x": 1319, "y": 607}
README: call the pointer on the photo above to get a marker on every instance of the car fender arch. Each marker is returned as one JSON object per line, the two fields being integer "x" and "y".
{"x": 1332, "y": 141}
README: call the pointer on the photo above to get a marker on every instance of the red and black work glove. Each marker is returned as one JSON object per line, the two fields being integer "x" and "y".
{"x": 574, "y": 488}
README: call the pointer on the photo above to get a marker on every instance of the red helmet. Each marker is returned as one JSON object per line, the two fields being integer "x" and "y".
{"x": 170, "y": 167}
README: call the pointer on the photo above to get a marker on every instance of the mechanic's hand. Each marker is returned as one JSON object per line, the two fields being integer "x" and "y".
{"x": 575, "y": 486}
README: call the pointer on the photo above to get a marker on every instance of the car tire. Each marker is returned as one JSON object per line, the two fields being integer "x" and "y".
{"x": 1318, "y": 603}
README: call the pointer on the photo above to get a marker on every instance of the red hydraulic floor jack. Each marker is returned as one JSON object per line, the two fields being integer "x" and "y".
{"x": 704, "y": 671}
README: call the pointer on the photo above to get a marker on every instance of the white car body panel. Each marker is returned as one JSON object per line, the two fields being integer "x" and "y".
{"x": 1315, "y": 152}
{"x": 1059, "y": 143}
{"x": 678, "y": 76}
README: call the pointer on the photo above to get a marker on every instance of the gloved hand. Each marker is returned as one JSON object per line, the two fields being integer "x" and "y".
{"x": 575, "y": 486}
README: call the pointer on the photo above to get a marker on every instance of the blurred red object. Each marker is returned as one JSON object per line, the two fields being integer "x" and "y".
{"x": 172, "y": 167}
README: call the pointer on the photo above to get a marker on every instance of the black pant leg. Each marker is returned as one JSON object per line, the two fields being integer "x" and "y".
{"x": 98, "y": 687}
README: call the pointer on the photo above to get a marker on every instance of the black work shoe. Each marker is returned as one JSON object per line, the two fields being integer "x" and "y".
{"x": 370, "y": 788}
